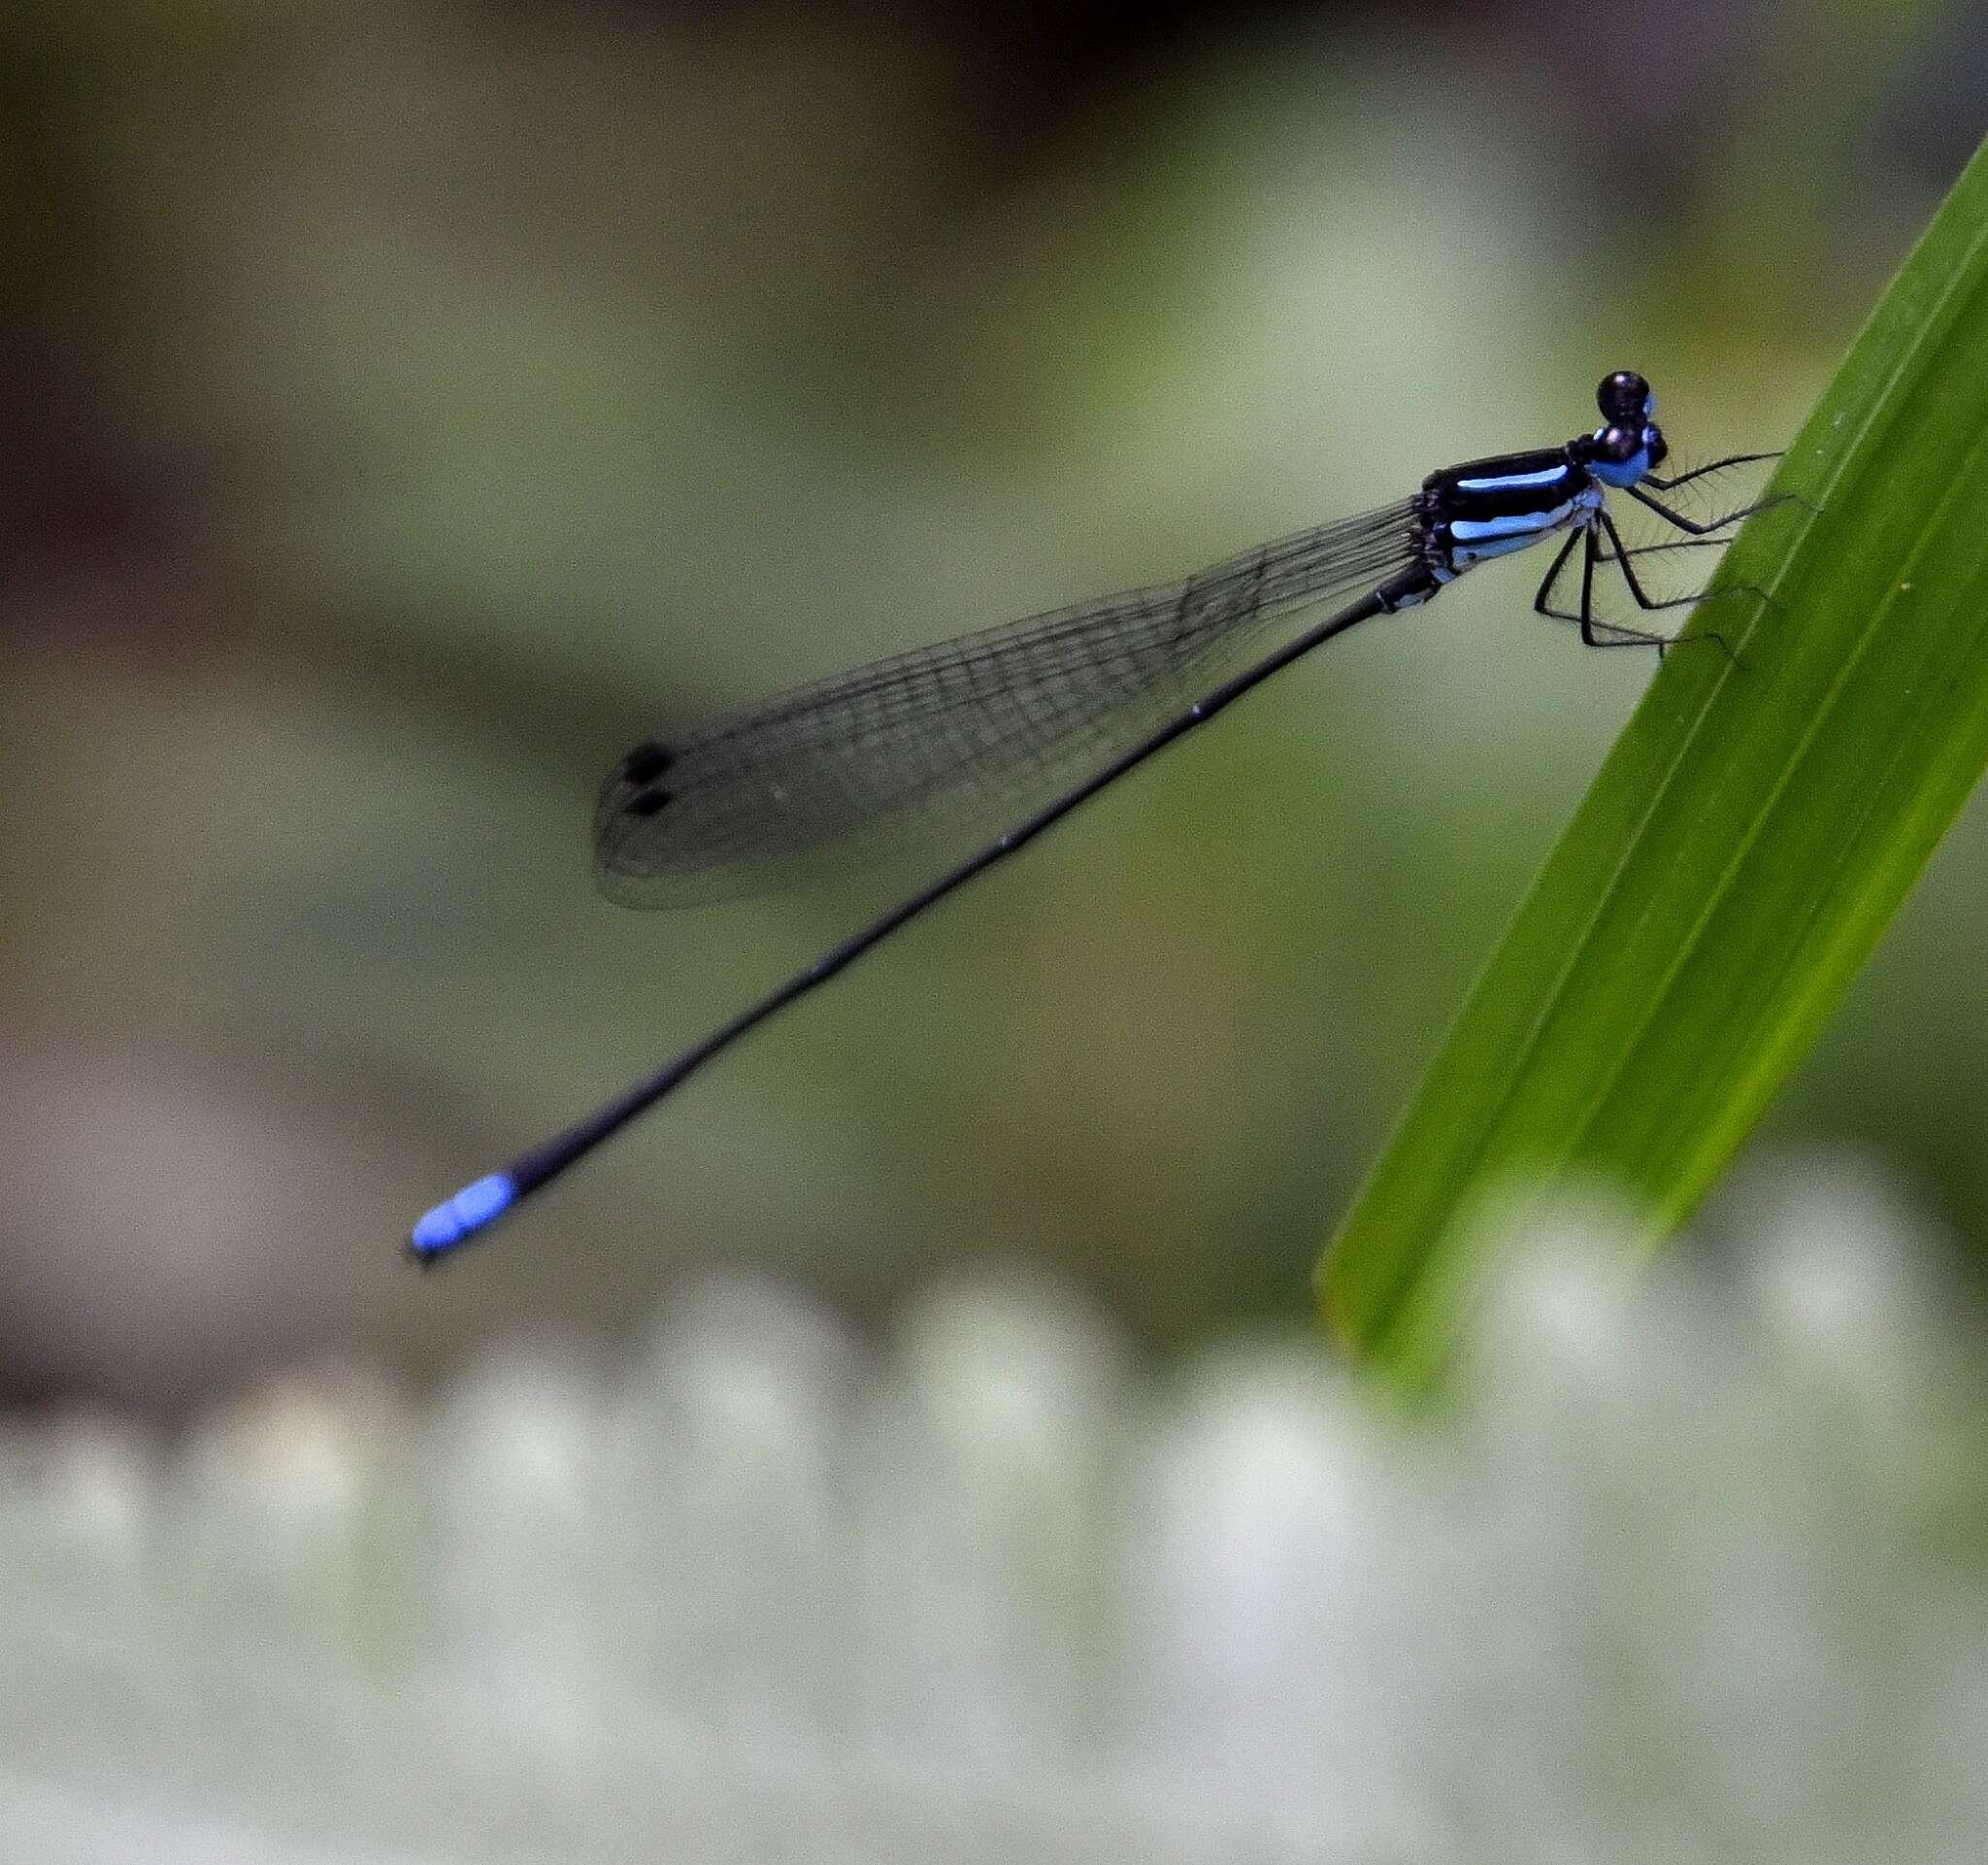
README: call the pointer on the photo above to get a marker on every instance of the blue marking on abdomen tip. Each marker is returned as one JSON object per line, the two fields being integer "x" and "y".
{"x": 1546, "y": 476}
{"x": 464, "y": 1214}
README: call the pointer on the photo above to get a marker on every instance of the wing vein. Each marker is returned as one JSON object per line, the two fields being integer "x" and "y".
{"x": 987, "y": 722}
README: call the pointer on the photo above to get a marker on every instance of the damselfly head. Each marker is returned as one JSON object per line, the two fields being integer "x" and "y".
{"x": 1625, "y": 399}
{"x": 1628, "y": 444}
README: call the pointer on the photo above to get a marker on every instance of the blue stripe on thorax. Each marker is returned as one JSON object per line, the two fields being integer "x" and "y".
{"x": 1508, "y": 481}
{"x": 1473, "y": 541}
{"x": 1464, "y": 555}
{"x": 1513, "y": 523}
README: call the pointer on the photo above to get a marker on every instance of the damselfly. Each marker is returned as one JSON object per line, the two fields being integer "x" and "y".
{"x": 1005, "y": 719}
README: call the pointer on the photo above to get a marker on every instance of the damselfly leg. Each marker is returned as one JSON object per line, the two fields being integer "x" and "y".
{"x": 1601, "y": 542}
{"x": 1703, "y": 534}
{"x": 1676, "y": 479}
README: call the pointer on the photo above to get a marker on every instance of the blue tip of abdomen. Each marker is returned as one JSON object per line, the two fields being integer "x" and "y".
{"x": 464, "y": 1214}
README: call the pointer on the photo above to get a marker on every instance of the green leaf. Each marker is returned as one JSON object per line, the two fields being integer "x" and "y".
{"x": 1749, "y": 837}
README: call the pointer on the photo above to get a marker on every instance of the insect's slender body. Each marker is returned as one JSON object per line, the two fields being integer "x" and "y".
{"x": 996, "y": 719}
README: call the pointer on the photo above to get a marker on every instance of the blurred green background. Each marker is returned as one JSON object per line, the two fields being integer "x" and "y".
{"x": 407, "y": 407}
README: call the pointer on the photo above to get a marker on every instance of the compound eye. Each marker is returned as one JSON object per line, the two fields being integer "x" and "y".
{"x": 1623, "y": 396}
{"x": 1657, "y": 448}
{"x": 1618, "y": 443}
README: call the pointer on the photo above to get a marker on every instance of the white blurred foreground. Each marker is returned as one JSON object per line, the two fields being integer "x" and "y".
{"x": 1697, "y": 1571}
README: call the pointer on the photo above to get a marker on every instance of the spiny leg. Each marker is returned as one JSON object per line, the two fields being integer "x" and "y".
{"x": 1619, "y": 634}
{"x": 1662, "y": 550}
{"x": 1584, "y": 617}
{"x": 1543, "y": 597}
{"x": 1621, "y": 558}
{"x": 1700, "y": 530}
{"x": 1593, "y": 552}
{"x": 1701, "y": 472}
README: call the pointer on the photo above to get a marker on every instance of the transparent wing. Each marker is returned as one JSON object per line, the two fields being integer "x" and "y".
{"x": 985, "y": 724}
